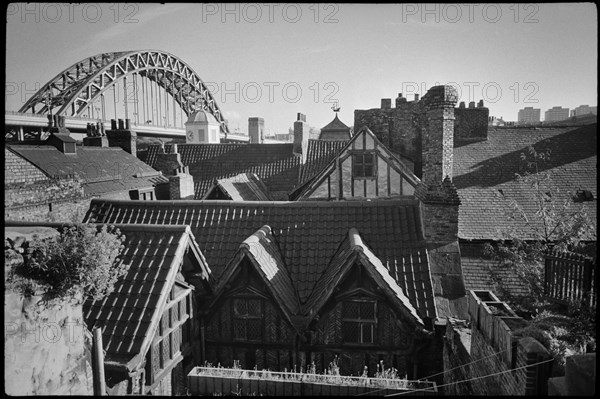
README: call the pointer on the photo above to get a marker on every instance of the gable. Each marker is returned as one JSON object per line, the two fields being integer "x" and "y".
{"x": 364, "y": 169}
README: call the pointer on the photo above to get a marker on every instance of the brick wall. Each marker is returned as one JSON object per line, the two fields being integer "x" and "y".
{"x": 398, "y": 129}
{"x": 495, "y": 361}
{"x": 471, "y": 124}
{"x": 18, "y": 170}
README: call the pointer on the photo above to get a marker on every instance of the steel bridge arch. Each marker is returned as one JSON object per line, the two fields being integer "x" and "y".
{"x": 74, "y": 89}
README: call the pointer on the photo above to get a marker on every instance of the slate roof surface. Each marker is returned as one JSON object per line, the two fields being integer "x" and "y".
{"x": 275, "y": 164}
{"x": 319, "y": 154}
{"x": 130, "y": 313}
{"x": 245, "y": 187}
{"x": 484, "y": 176}
{"x": 102, "y": 169}
{"x": 308, "y": 236}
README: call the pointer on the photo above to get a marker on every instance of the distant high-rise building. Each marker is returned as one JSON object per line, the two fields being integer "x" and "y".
{"x": 529, "y": 116}
{"x": 556, "y": 114}
{"x": 584, "y": 110}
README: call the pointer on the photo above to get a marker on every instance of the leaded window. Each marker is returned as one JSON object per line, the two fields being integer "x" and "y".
{"x": 359, "y": 321}
{"x": 247, "y": 319}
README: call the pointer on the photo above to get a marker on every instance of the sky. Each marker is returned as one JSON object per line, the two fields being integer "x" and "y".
{"x": 273, "y": 60}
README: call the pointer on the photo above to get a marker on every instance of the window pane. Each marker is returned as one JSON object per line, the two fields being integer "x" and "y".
{"x": 254, "y": 308}
{"x": 367, "y": 310}
{"x": 367, "y": 333}
{"x": 254, "y": 329}
{"x": 350, "y": 310}
{"x": 368, "y": 158}
{"x": 239, "y": 329}
{"x": 368, "y": 171}
{"x": 240, "y": 307}
{"x": 351, "y": 332}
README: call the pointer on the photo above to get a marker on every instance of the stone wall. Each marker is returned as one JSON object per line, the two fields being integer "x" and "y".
{"x": 18, "y": 170}
{"x": 494, "y": 361}
{"x": 470, "y": 124}
{"x": 398, "y": 127}
{"x": 46, "y": 348}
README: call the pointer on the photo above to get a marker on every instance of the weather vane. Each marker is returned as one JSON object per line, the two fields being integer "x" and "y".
{"x": 335, "y": 107}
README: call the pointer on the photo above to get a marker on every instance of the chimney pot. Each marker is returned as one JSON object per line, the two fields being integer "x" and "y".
{"x": 416, "y": 97}
{"x": 113, "y": 124}
{"x": 472, "y": 104}
{"x": 461, "y": 105}
{"x": 121, "y": 125}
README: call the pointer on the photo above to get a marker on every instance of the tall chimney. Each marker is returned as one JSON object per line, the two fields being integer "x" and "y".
{"x": 256, "y": 127}
{"x": 436, "y": 190}
{"x": 301, "y": 134}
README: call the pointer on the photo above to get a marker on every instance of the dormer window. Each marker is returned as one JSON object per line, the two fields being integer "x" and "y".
{"x": 364, "y": 165}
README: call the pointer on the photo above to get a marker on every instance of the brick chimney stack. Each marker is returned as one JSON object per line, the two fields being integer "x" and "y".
{"x": 122, "y": 136}
{"x": 436, "y": 191}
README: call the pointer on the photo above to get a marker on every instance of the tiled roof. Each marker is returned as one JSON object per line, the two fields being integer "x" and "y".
{"x": 353, "y": 249}
{"x": 335, "y": 124}
{"x": 308, "y": 235}
{"x": 484, "y": 175}
{"x": 263, "y": 251}
{"x": 319, "y": 154}
{"x": 275, "y": 164}
{"x": 129, "y": 315}
{"x": 244, "y": 187}
{"x": 102, "y": 169}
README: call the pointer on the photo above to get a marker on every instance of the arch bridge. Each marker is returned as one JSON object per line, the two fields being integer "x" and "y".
{"x": 149, "y": 86}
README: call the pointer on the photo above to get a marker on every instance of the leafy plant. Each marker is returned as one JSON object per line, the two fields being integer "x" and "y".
{"x": 554, "y": 223}
{"x": 81, "y": 258}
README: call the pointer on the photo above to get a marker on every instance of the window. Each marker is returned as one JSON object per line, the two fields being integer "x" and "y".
{"x": 363, "y": 165}
{"x": 359, "y": 321}
{"x": 247, "y": 319}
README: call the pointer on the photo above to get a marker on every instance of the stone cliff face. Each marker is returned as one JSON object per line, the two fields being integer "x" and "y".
{"x": 46, "y": 344}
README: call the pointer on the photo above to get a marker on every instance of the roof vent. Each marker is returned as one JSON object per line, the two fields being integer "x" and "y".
{"x": 583, "y": 196}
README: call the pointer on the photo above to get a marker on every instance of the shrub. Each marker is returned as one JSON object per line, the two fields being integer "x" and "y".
{"x": 82, "y": 258}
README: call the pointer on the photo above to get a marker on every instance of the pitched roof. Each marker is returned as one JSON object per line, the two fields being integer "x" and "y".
{"x": 129, "y": 315}
{"x": 335, "y": 124}
{"x": 308, "y": 235}
{"x": 102, "y": 169}
{"x": 351, "y": 250}
{"x": 335, "y": 130}
{"x": 275, "y": 164}
{"x": 319, "y": 154}
{"x": 263, "y": 251}
{"x": 243, "y": 187}
{"x": 484, "y": 175}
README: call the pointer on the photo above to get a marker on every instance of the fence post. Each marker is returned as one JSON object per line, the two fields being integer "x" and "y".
{"x": 587, "y": 282}
{"x": 98, "y": 364}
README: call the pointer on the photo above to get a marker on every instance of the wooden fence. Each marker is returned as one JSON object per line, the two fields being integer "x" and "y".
{"x": 570, "y": 277}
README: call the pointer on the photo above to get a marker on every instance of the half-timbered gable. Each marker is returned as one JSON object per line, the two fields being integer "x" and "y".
{"x": 355, "y": 305}
{"x": 363, "y": 169}
{"x": 148, "y": 322}
{"x": 254, "y": 315}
